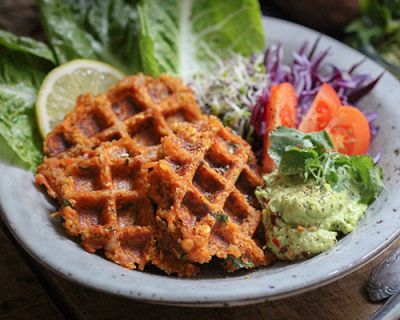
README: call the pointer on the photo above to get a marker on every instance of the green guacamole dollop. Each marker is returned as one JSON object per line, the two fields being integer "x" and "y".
{"x": 303, "y": 219}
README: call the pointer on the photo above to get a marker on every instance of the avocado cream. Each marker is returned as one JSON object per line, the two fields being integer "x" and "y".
{"x": 304, "y": 218}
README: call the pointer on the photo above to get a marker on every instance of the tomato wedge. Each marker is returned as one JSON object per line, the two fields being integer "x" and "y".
{"x": 325, "y": 105}
{"x": 349, "y": 131}
{"x": 280, "y": 111}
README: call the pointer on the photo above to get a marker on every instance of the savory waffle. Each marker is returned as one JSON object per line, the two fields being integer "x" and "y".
{"x": 103, "y": 194}
{"x": 139, "y": 107}
{"x": 102, "y": 201}
{"x": 204, "y": 187}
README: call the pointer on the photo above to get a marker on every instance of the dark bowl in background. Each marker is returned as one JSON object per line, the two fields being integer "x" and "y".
{"x": 329, "y": 16}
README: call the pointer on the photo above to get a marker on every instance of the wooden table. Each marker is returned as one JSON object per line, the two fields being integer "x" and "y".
{"x": 28, "y": 291}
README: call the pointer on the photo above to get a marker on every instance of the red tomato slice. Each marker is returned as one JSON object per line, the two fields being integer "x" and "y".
{"x": 349, "y": 131}
{"x": 280, "y": 111}
{"x": 325, "y": 105}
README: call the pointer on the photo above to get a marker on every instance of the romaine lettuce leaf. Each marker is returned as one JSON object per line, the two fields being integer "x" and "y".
{"x": 26, "y": 45}
{"x": 23, "y": 65}
{"x": 184, "y": 37}
{"x": 105, "y": 30}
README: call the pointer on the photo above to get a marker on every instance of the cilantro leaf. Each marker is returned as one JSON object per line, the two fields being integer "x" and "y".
{"x": 283, "y": 139}
{"x": 370, "y": 177}
{"x": 309, "y": 157}
{"x": 239, "y": 263}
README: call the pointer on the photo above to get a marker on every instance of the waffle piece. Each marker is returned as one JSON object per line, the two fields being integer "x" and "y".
{"x": 103, "y": 194}
{"x": 102, "y": 201}
{"x": 139, "y": 107}
{"x": 204, "y": 187}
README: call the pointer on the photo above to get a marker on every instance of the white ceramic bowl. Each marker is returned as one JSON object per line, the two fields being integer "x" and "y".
{"x": 26, "y": 212}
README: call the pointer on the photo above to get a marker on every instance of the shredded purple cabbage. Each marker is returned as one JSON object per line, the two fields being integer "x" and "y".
{"x": 307, "y": 72}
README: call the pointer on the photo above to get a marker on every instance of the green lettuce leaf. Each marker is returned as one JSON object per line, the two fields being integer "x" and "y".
{"x": 105, "y": 30}
{"x": 309, "y": 157}
{"x": 26, "y": 45}
{"x": 23, "y": 65}
{"x": 184, "y": 37}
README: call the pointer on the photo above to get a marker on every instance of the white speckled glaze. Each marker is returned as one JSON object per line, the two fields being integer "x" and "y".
{"x": 26, "y": 212}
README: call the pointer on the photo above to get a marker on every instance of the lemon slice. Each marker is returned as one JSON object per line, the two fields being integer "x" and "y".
{"x": 59, "y": 90}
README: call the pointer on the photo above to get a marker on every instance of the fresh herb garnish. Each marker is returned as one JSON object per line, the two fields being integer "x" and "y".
{"x": 239, "y": 263}
{"x": 67, "y": 203}
{"x": 309, "y": 156}
{"x": 220, "y": 217}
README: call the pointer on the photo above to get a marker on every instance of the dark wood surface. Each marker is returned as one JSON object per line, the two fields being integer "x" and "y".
{"x": 28, "y": 291}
